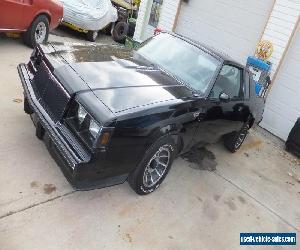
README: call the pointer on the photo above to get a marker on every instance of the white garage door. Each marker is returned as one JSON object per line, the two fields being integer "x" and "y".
{"x": 232, "y": 26}
{"x": 283, "y": 103}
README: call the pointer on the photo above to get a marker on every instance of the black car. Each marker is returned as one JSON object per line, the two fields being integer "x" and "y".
{"x": 108, "y": 114}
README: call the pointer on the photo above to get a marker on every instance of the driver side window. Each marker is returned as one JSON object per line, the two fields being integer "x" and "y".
{"x": 229, "y": 82}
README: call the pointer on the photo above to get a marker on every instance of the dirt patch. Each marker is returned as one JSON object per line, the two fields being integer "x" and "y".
{"x": 210, "y": 211}
{"x": 295, "y": 177}
{"x": 127, "y": 210}
{"x": 199, "y": 198}
{"x": 49, "y": 188}
{"x": 201, "y": 158}
{"x": 242, "y": 199}
{"x": 231, "y": 205}
{"x": 251, "y": 143}
{"x": 246, "y": 154}
{"x": 128, "y": 237}
{"x": 17, "y": 100}
{"x": 34, "y": 184}
{"x": 217, "y": 197}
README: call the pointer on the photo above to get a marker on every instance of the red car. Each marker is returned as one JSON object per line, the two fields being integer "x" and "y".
{"x": 34, "y": 18}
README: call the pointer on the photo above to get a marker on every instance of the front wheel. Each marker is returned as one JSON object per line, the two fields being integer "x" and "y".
{"x": 234, "y": 140}
{"x": 38, "y": 32}
{"x": 154, "y": 167}
{"x": 92, "y": 35}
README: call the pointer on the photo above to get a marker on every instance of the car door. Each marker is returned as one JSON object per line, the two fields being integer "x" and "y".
{"x": 11, "y": 14}
{"x": 224, "y": 110}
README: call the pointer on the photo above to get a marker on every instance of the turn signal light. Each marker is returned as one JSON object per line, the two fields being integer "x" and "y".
{"x": 105, "y": 138}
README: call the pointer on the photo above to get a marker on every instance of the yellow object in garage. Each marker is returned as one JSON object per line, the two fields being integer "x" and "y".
{"x": 125, "y": 5}
{"x": 264, "y": 50}
{"x": 13, "y": 35}
{"x": 73, "y": 27}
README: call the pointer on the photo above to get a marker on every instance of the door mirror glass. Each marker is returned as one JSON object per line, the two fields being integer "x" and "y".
{"x": 224, "y": 97}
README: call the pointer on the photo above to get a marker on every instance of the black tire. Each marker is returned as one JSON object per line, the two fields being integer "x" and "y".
{"x": 30, "y": 37}
{"x": 137, "y": 179}
{"x": 92, "y": 35}
{"x": 108, "y": 30}
{"x": 131, "y": 29}
{"x": 234, "y": 140}
{"x": 120, "y": 32}
{"x": 288, "y": 147}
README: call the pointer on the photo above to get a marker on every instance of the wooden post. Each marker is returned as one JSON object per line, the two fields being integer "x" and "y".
{"x": 285, "y": 51}
{"x": 177, "y": 15}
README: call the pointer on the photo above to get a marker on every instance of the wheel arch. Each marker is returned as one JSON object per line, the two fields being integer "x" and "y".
{"x": 167, "y": 130}
{"x": 251, "y": 121}
{"x": 42, "y": 13}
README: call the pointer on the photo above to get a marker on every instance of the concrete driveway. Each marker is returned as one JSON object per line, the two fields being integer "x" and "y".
{"x": 255, "y": 190}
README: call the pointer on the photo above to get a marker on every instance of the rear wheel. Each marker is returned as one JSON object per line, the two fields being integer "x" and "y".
{"x": 38, "y": 32}
{"x": 234, "y": 140}
{"x": 92, "y": 35}
{"x": 120, "y": 32}
{"x": 154, "y": 167}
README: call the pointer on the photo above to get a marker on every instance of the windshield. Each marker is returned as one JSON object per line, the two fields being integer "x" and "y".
{"x": 181, "y": 59}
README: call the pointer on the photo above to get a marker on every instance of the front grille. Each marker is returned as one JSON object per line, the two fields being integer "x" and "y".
{"x": 52, "y": 96}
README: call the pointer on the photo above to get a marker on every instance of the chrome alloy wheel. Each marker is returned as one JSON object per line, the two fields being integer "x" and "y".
{"x": 157, "y": 166}
{"x": 242, "y": 136}
{"x": 240, "y": 139}
{"x": 40, "y": 32}
{"x": 95, "y": 34}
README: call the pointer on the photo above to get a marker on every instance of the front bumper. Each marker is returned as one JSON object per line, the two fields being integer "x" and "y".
{"x": 75, "y": 162}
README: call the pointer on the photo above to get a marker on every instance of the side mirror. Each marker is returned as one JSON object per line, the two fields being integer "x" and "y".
{"x": 224, "y": 97}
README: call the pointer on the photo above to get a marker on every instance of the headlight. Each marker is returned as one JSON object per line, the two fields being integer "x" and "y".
{"x": 81, "y": 114}
{"x": 94, "y": 128}
{"x": 90, "y": 131}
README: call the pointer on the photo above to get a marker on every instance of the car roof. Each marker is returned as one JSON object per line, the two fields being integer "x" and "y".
{"x": 213, "y": 51}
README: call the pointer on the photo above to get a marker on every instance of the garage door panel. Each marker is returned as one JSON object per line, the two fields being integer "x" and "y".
{"x": 231, "y": 26}
{"x": 276, "y": 122}
{"x": 287, "y": 81}
{"x": 283, "y": 103}
{"x": 222, "y": 14}
{"x": 256, "y": 7}
{"x": 232, "y": 14}
{"x": 278, "y": 114}
{"x": 290, "y": 78}
{"x": 209, "y": 33}
{"x": 289, "y": 105}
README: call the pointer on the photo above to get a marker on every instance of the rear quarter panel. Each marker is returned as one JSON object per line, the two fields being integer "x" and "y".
{"x": 11, "y": 12}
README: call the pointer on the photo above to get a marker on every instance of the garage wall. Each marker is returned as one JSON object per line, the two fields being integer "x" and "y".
{"x": 283, "y": 103}
{"x": 168, "y": 14}
{"x": 232, "y": 26}
{"x": 166, "y": 21}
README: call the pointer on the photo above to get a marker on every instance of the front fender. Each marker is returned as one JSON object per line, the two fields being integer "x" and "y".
{"x": 167, "y": 130}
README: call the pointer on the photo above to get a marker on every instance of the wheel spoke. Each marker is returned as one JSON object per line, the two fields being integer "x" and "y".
{"x": 158, "y": 173}
{"x": 157, "y": 166}
{"x": 161, "y": 163}
{"x": 151, "y": 178}
{"x": 164, "y": 156}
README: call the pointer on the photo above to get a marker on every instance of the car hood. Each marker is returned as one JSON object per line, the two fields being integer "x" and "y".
{"x": 120, "y": 78}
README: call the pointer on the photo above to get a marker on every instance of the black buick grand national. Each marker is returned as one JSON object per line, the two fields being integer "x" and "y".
{"x": 108, "y": 114}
